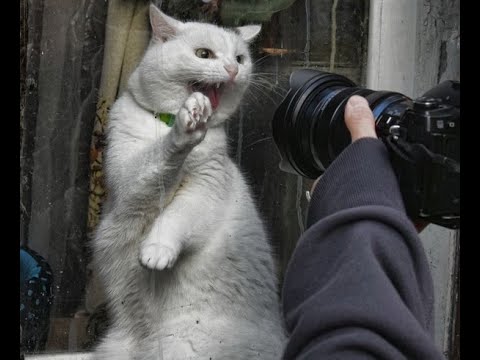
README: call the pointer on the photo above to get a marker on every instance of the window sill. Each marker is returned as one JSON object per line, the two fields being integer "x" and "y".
{"x": 61, "y": 356}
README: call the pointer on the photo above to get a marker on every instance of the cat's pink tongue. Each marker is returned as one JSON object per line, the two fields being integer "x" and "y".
{"x": 212, "y": 93}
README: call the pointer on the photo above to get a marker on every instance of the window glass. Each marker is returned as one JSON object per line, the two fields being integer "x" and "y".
{"x": 75, "y": 59}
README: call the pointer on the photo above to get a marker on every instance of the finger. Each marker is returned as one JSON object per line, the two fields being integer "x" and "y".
{"x": 359, "y": 118}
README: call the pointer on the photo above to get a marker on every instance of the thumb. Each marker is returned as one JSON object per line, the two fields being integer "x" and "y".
{"x": 359, "y": 118}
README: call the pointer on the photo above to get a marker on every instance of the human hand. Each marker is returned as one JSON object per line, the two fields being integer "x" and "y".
{"x": 359, "y": 120}
{"x": 361, "y": 123}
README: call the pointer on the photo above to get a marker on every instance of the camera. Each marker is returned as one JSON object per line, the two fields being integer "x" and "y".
{"x": 422, "y": 136}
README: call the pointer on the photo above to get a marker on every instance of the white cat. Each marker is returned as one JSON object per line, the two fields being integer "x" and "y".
{"x": 181, "y": 249}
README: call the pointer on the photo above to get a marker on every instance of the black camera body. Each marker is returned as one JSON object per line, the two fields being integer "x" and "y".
{"x": 422, "y": 136}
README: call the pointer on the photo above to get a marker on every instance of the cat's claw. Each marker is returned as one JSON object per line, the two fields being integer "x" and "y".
{"x": 199, "y": 110}
{"x": 157, "y": 256}
{"x": 193, "y": 117}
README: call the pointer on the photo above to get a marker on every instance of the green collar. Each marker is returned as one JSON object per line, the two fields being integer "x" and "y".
{"x": 166, "y": 118}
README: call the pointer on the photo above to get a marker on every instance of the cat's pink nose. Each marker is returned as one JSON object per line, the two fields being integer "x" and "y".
{"x": 232, "y": 70}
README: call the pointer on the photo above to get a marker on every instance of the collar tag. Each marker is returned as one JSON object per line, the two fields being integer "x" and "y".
{"x": 168, "y": 119}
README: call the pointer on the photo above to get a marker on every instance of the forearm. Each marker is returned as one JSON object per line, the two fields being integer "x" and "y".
{"x": 358, "y": 284}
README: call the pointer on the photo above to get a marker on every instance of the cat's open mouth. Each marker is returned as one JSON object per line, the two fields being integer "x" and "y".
{"x": 212, "y": 91}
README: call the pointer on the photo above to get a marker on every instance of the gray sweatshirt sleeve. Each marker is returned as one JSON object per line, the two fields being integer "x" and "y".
{"x": 358, "y": 285}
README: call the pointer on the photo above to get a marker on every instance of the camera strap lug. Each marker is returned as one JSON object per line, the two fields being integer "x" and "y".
{"x": 395, "y": 131}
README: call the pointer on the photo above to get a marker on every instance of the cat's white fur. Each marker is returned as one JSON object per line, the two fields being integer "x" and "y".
{"x": 181, "y": 249}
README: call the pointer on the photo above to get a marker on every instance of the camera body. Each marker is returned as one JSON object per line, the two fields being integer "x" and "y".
{"x": 422, "y": 136}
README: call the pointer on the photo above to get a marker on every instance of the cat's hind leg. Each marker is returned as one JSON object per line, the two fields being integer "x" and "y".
{"x": 162, "y": 245}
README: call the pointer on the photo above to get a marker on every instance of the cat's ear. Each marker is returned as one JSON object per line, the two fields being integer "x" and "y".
{"x": 163, "y": 27}
{"x": 249, "y": 32}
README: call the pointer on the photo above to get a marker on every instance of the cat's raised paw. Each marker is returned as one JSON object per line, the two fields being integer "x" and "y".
{"x": 193, "y": 116}
{"x": 199, "y": 110}
{"x": 157, "y": 256}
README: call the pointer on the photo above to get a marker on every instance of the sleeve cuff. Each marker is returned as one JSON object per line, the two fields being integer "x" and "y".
{"x": 361, "y": 175}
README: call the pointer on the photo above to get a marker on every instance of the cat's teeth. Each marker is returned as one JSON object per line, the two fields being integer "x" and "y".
{"x": 218, "y": 85}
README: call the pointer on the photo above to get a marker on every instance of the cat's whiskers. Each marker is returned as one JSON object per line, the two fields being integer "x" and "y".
{"x": 259, "y": 141}
{"x": 266, "y": 89}
{"x": 263, "y": 58}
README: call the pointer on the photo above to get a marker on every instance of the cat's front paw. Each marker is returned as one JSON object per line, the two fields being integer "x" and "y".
{"x": 157, "y": 256}
{"x": 193, "y": 118}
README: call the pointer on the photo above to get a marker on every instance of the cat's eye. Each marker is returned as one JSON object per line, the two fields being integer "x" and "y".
{"x": 240, "y": 59}
{"x": 204, "y": 53}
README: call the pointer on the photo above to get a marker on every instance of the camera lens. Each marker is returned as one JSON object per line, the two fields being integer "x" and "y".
{"x": 309, "y": 127}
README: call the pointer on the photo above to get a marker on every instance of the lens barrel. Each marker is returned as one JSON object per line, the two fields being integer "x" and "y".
{"x": 308, "y": 126}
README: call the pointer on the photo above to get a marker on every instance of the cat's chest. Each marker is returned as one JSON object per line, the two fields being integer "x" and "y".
{"x": 150, "y": 129}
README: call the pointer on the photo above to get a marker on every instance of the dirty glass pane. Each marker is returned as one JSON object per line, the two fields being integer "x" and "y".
{"x": 68, "y": 60}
